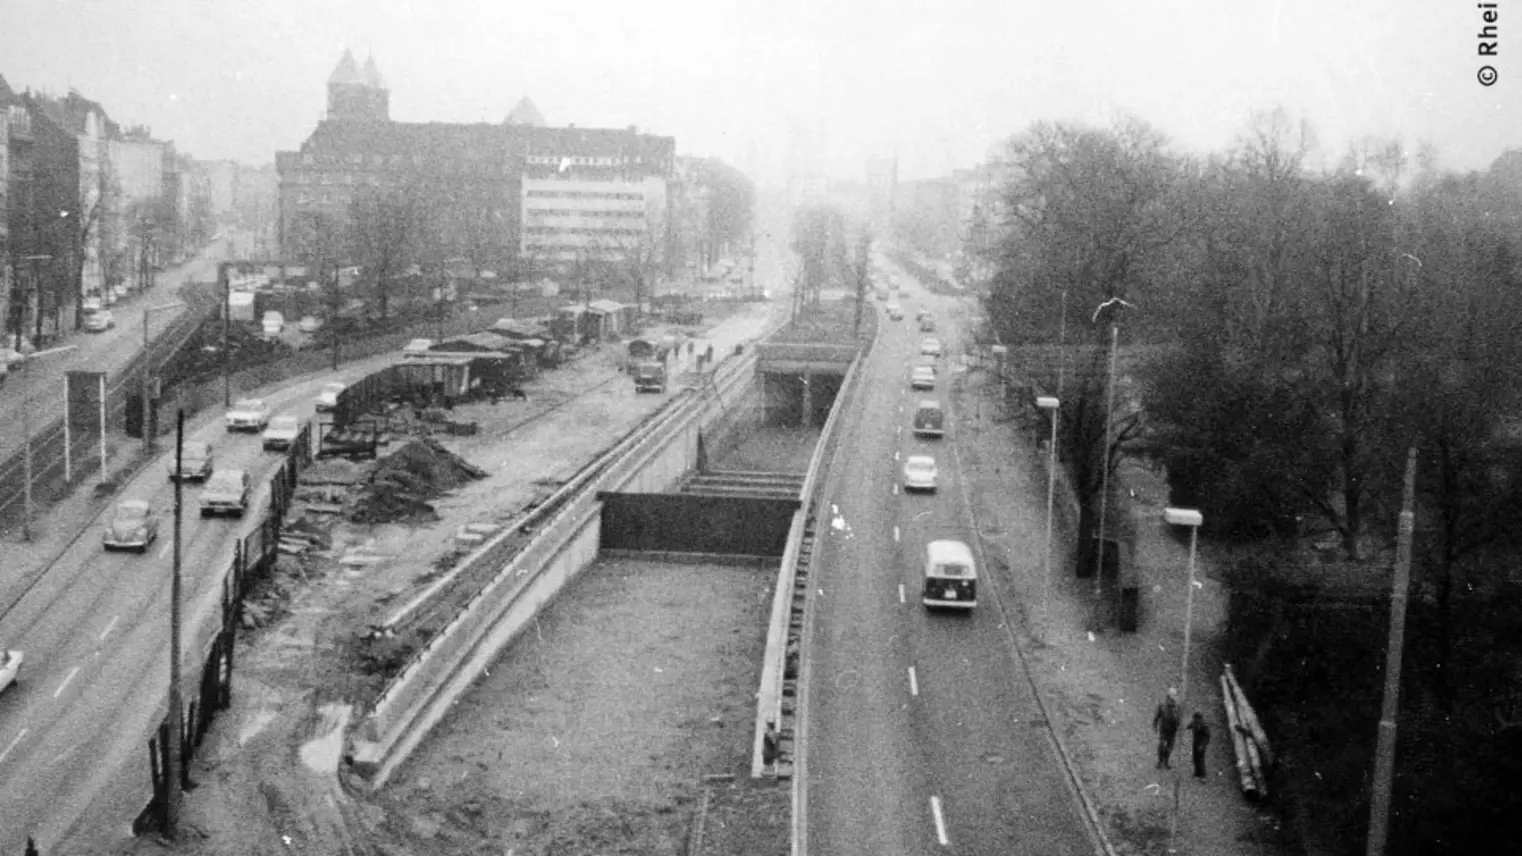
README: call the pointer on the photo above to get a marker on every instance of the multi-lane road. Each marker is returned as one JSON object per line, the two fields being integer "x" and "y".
{"x": 922, "y": 732}
{"x": 95, "y": 628}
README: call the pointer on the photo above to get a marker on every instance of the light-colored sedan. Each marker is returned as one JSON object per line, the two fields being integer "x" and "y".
{"x": 282, "y": 433}
{"x": 133, "y": 527}
{"x": 919, "y": 473}
{"x": 922, "y": 378}
{"x": 310, "y": 324}
{"x": 248, "y": 414}
{"x": 327, "y": 399}
{"x": 931, "y": 347}
{"x": 10, "y": 668}
{"x": 99, "y": 321}
{"x": 196, "y": 462}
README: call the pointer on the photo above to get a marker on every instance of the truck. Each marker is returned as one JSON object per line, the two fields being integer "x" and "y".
{"x": 650, "y": 376}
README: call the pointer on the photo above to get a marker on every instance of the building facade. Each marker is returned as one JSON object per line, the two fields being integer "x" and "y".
{"x": 498, "y": 195}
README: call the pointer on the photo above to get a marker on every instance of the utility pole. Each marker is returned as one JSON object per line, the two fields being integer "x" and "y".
{"x": 176, "y": 705}
{"x": 224, "y": 274}
{"x": 1384, "y": 753}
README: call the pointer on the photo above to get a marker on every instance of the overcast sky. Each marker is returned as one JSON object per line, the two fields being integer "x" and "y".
{"x": 834, "y": 81}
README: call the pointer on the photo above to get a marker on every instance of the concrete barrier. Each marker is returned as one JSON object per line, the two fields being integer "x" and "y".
{"x": 651, "y": 459}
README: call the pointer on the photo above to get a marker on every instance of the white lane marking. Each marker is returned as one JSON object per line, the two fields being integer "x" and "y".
{"x": 899, "y": 430}
{"x": 901, "y": 593}
{"x": 895, "y": 488}
{"x": 61, "y": 687}
{"x": 164, "y": 551}
{"x": 12, "y": 745}
{"x": 895, "y": 533}
{"x": 940, "y": 822}
{"x": 107, "y": 631}
{"x": 895, "y": 455}
{"x": 914, "y": 684}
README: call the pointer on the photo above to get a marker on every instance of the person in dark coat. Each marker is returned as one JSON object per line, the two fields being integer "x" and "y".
{"x": 771, "y": 745}
{"x": 1200, "y": 732}
{"x": 1166, "y": 722}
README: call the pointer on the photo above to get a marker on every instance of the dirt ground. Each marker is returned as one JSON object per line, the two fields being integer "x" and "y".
{"x": 265, "y": 773}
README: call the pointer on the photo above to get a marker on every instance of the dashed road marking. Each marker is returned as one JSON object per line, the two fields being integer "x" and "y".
{"x": 107, "y": 631}
{"x": 914, "y": 684}
{"x": 940, "y": 821}
{"x": 901, "y": 593}
{"x": 12, "y": 745}
{"x": 895, "y": 455}
{"x": 895, "y": 488}
{"x": 69, "y": 677}
{"x": 164, "y": 551}
{"x": 895, "y": 533}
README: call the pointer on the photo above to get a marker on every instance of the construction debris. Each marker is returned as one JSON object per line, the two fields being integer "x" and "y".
{"x": 401, "y": 484}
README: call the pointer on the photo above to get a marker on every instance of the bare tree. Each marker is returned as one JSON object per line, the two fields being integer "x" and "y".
{"x": 385, "y": 228}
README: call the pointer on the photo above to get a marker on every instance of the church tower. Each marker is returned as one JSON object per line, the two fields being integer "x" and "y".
{"x": 358, "y": 95}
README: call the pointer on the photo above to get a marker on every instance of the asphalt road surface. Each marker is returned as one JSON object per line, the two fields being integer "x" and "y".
{"x": 39, "y": 386}
{"x": 923, "y": 733}
{"x": 95, "y": 628}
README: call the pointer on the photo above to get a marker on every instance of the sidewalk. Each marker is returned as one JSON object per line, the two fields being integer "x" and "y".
{"x": 1101, "y": 690}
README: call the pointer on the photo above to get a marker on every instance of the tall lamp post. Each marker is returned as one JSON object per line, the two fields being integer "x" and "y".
{"x": 1191, "y": 518}
{"x": 148, "y": 375}
{"x": 1052, "y": 405}
{"x": 1104, "y": 453}
{"x": 1384, "y": 753}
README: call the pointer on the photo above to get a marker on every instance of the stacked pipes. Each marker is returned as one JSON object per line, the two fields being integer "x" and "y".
{"x": 1248, "y": 739}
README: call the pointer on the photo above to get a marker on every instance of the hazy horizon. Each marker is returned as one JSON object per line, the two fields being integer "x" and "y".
{"x": 790, "y": 87}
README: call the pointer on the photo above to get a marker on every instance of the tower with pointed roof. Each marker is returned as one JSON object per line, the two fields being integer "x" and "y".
{"x": 526, "y": 114}
{"x": 356, "y": 94}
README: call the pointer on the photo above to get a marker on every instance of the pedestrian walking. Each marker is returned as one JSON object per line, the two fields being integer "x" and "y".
{"x": 1200, "y": 732}
{"x": 771, "y": 745}
{"x": 31, "y": 846}
{"x": 1166, "y": 723}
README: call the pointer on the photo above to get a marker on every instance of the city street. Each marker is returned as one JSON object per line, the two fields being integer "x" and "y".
{"x": 95, "y": 630}
{"x": 922, "y": 732}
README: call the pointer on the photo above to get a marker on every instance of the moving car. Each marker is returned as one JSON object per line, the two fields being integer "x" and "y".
{"x": 895, "y": 312}
{"x": 309, "y": 324}
{"x": 282, "y": 433}
{"x": 929, "y": 419}
{"x": 133, "y": 527}
{"x": 226, "y": 492}
{"x": 951, "y": 576}
{"x": 195, "y": 463}
{"x": 99, "y": 321}
{"x": 10, "y": 668}
{"x": 327, "y": 399}
{"x": 248, "y": 414}
{"x": 931, "y": 347}
{"x": 927, "y": 324}
{"x": 923, "y": 377}
{"x": 919, "y": 473}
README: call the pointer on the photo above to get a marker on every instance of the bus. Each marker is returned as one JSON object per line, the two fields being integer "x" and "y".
{"x": 951, "y": 576}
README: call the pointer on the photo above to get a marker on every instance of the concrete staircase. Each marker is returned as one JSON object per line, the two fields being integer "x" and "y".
{"x": 751, "y": 484}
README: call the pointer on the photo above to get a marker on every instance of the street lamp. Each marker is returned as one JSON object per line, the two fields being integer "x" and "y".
{"x": 1193, "y": 519}
{"x": 148, "y": 375}
{"x": 1049, "y": 403}
{"x": 1104, "y": 452}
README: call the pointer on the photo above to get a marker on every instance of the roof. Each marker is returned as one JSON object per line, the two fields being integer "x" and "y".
{"x": 606, "y": 306}
{"x": 347, "y": 71}
{"x": 7, "y": 94}
{"x": 525, "y": 113}
{"x": 475, "y": 341}
{"x": 516, "y": 329}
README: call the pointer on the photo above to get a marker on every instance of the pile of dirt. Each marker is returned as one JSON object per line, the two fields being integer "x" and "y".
{"x": 401, "y": 484}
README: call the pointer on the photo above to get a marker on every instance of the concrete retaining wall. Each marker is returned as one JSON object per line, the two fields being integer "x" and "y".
{"x": 649, "y": 461}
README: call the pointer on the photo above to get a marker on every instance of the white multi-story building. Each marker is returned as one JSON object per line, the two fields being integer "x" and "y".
{"x": 570, "y": 219}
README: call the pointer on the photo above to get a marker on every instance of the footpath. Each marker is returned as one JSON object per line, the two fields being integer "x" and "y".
{"x": 1101, "y": 690}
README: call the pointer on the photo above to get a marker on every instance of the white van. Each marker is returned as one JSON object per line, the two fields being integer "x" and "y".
{"x": 273, "y": 324}
{"x": 951, "y": 576}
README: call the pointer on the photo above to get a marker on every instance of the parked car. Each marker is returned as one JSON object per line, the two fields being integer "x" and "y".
{"x": 99, "y": 321}
{"x": 195, "y": 463}
{"x": 919, "y": 473}
{"x": 310, "y": 324}
{"x": 327, "y": 399}
{"x": 133, "y": 527}
{"x": 226, "y": 492}
{"x": 931, "y": 347}
{"x": 416, "y": 348}
{"x": 272, "y": 323}
{"x": 282, "y": 433}
{"x": 927, "y": 324}
{"x": 923, "y": 377}
{"x": 91, "y": 303}
{"x": 10, "y": 668}
{"x": 895, "y": 312}
{"x": 248, "y": 414}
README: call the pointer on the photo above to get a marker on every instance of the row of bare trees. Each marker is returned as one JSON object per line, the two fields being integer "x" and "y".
{"x": 1310, "y": 325}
